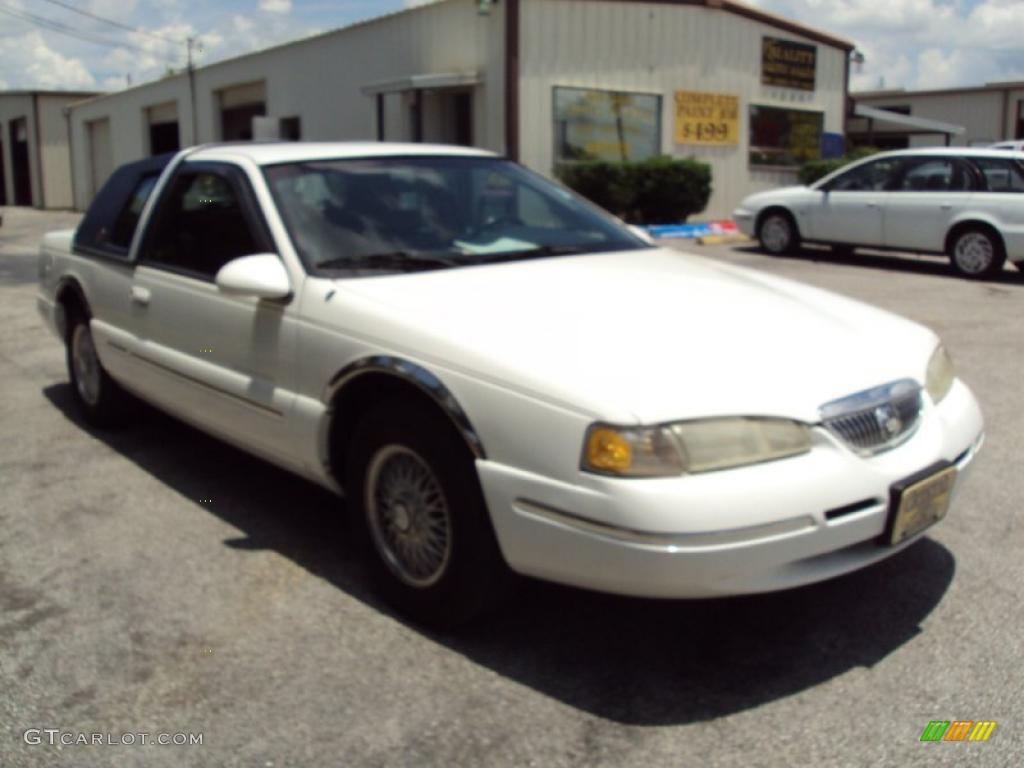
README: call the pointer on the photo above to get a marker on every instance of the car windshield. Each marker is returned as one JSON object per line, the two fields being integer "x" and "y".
{"x": 409, "y": 213}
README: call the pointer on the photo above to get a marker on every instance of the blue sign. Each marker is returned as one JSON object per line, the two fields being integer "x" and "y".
{"x": 832, "y": 145}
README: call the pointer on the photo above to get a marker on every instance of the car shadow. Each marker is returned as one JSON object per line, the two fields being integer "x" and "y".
{"x": 633, "y": 661}
{"x": 884, "y": 260}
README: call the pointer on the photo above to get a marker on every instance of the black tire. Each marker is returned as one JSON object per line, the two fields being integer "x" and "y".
{"x": 469, "y": 575}
{"x": 777, "y": 233}
{"x": 98, "y": 398}
{"x": 976, "y": 252}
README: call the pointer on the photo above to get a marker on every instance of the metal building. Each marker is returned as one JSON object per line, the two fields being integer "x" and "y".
{"x": 543, "y": 81}
{"x": 35, "y": 164}
{"x": 972, "y": 117}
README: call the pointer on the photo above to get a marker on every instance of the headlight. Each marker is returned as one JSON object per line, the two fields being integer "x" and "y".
{"x": 691, "y": 446}
{"x": 940, "y": 375}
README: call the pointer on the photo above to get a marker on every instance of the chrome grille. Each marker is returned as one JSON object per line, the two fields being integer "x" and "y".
{"x": 875, "y": 419}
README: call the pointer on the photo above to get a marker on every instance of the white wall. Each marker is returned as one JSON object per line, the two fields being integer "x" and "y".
{"x": 320, "y": 80}
{"x": 56, "y": 156}
{"x": 662, "y": 48}
{"x": 979, "y": 111}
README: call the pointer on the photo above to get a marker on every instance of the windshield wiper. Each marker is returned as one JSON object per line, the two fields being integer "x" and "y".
{"x": 401, "y": 260}
{"x": 531, "y": 253}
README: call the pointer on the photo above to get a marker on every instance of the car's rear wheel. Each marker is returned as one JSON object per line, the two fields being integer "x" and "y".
{"x": 778, "y": 234}
{"x": 97, "y": 396}
{"x": 976, "y": 252}
{"x": 420, "y": 513}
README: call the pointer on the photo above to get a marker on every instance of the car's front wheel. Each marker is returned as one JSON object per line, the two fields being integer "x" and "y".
{"x": 976, "y": 252}
{"x": 777, "y": 233}
{"x": 418, "y": 507}
{"x": 98, "y": 397}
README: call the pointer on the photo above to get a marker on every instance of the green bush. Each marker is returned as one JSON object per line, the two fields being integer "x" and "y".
{"x": 811, "y": 171}
{"x": 661, "y": 190}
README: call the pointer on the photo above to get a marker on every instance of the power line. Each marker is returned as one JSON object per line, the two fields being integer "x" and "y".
{"x": 115, "y": 23}
{"x": 44, "y": 23}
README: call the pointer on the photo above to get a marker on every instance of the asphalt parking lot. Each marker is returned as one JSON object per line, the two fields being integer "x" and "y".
{"x": 154, "y": 580}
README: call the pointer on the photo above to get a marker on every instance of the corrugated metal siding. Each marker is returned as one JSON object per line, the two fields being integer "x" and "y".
{"x": 661, "y": 48}
{"x": 319, "y": 80}
{"x": 56, "y": 159}
{"x": 980, "y": 112}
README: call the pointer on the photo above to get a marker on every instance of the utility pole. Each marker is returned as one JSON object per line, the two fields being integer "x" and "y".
{"x": 192, "y": 91}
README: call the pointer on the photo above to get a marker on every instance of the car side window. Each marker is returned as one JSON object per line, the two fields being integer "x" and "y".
{"x": 874, "y": 176}
{"x": 934, "y": 175}
{"x": 1000, "y": 175}
{"x": 199, "y": 226}
{"x": 128, "y": 219}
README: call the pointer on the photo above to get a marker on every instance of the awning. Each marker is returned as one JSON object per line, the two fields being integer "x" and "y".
{"x": 884, "y": 120}
{"x": 423, "y": 82}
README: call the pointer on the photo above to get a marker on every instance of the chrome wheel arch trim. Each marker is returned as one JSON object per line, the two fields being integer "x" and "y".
{"x": 417, "y": 376}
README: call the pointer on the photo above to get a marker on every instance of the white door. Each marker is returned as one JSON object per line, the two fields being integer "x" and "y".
{"x": 223, "y": 362}
{"x": 850, "y": 208}
{"x": 928, "y": 193}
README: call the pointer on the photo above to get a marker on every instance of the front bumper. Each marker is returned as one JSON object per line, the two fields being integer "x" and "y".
{"x": 755, "y": 529}
{"x": 745, "y": 221}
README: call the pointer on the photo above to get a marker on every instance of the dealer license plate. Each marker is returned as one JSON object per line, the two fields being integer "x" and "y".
{"x": 918, "y": 504}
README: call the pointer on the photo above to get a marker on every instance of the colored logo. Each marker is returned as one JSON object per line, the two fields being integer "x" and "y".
{"x": 958, "y": 730}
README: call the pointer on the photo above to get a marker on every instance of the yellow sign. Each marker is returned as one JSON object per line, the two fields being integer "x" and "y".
{"x": 707, "y": 118}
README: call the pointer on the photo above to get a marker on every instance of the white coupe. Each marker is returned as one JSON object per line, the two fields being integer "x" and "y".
{"x": 965, "y": 203}
{"x": 501, "y": 378}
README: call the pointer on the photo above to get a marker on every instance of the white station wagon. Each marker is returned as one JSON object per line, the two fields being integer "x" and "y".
{"x": 966, "y": 203}
{"x": 502, "y": 378}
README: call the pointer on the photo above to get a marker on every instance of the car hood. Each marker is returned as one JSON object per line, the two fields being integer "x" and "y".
{"x": 649, "y": 335}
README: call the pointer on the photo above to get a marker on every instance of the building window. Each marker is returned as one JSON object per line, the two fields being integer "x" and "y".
{"x": 291, "y": 129}
{"x": 784, "y": 137}
{"x": 606, "y": 125}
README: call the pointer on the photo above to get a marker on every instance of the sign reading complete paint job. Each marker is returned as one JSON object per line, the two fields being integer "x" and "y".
{"x": 789, "y": 64}
{"x": 707, "y": 118}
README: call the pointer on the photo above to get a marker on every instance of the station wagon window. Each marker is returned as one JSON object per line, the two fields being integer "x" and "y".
{"x": 1001, "y": 175}
{"x": 873, "y": 176}
{"x": 199, "y": 226}
{"x": 933, "y": 175}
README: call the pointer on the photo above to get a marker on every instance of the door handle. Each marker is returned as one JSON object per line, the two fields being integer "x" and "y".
{"x": 946, "y": 206}
{"x": 140, "y": 295}
{"x": 872, "y": 205}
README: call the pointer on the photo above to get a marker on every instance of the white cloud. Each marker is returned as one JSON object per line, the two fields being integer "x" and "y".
{"x": 28, "y": 61}
{"x": 276, "y": 6}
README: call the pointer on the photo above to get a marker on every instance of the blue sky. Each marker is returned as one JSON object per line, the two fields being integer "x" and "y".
{"x": 906, "y": 43}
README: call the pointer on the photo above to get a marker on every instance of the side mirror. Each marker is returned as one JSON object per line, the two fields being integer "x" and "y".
{"x": 642, "y": 233}
{"x": 261, "y": 275}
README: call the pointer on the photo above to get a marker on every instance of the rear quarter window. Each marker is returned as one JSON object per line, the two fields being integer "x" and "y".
{"x": 1001, "y": 175}
{"x": 110, "y": 223}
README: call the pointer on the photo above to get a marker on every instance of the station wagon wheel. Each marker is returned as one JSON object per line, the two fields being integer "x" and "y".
{"x": 98, "y": 397}
{"x": 777, "y": 233}
{"x": 976, "y": 252}
{"x": 416, "y": 504}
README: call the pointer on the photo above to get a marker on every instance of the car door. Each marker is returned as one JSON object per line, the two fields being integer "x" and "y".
{"x": 928, "y": 193}
{"x": 104, "y": 240}
{"x": 224, "y": 362}
{"x": 849, "y": 210}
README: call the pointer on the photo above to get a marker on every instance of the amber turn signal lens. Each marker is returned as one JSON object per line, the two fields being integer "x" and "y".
{"x": 608, "y": 451}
